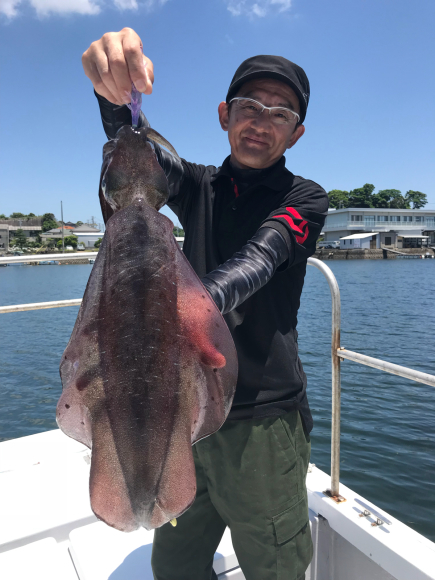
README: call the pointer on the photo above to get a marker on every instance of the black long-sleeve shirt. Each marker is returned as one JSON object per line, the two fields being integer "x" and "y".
{"x": 222, "y": 212}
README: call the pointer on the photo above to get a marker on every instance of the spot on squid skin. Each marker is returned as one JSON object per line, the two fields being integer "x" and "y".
{"x": 82, "y": 383}
{"x": 67, "y": 406}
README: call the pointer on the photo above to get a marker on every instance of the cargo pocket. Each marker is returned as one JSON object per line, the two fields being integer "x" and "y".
{"x": 293, "y": 541}
{"x": 288, "y": 459}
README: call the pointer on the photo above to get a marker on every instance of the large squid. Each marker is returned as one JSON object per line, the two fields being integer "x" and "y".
{"x": 150, "y": 368}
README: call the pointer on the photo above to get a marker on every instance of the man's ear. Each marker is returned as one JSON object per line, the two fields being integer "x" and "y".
{"x": 224, "y": 115}
{"x": 296, "y": 135}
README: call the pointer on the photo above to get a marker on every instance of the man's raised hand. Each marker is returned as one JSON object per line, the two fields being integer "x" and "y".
{"x": 114, "y": 61}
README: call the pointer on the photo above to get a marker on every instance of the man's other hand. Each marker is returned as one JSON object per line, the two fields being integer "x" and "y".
{"x": 114, "y": 61}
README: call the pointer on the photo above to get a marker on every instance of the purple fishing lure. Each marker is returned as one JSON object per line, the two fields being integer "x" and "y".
{"x": 135, "y": 105}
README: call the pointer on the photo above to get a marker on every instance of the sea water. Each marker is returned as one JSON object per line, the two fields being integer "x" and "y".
{"x": 388, "y": 423}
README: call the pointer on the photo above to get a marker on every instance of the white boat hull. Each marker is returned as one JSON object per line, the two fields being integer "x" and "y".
{"x": 47, "y": 526}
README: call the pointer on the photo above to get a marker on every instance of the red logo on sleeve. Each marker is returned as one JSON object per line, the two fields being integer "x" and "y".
{"x": 301, "y": 230}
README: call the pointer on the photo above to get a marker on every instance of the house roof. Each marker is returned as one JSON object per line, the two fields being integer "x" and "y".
{"x": 58, "y": 231}
{"x": 359, "y": 236}
{"x": 86, "y": 228}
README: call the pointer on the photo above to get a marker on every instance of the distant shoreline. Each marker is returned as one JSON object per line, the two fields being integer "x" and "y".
{"x": 359, "y": 254}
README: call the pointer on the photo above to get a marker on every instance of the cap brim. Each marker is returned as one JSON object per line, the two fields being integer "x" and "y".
{"x": 272, "y": 75}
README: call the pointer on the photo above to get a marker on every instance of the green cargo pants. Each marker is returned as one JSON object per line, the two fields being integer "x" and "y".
{"x": 251, "y": 478}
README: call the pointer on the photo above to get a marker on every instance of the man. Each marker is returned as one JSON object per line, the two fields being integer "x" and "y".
{"x": 250, "y": 226}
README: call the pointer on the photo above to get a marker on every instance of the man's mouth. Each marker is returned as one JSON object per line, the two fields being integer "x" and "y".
{"x": 255, "y": 141}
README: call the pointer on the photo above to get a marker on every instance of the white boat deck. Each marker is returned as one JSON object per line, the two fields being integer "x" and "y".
{"x": 48, "y": 530}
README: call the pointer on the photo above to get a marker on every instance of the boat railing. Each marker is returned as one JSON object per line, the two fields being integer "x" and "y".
{"x": 338, "y": 353}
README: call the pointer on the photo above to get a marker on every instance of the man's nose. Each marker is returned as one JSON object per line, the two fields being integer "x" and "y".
{"x": 263, "y": 119}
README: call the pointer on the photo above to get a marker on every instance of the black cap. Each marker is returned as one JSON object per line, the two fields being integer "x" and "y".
{"x": 274, "y": 67}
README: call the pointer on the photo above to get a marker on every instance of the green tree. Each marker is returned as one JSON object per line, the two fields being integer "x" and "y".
{"x": 382, "y": 198}
{"x": 417, "y": 198}
{"x": 389, "y": 198}
{"x": 16, "y": 215}
{"x": 338, "y": 198}
{"x": 30, "y": 215}
{"x": 20, "y": 239}
{"x": 48, "y": 222}
{"x": 398, "y": 201}
{"x": 178, "y": 232}
{"x": 79, "y": 224}
{"x": 361, "y": 197}
{"x": 71, "y": 241}
{"x": 3, "y": 217}
{"x": 67, "y": 241}
{"x": 98, "y": 243}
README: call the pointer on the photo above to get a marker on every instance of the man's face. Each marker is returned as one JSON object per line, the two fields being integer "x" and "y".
{"x": 257, "y": 142}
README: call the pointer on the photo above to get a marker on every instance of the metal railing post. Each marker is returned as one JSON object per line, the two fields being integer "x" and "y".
{"x": 336, "y": 379}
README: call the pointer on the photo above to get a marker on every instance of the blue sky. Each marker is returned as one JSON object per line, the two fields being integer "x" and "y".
{"x": 370, "y": 63}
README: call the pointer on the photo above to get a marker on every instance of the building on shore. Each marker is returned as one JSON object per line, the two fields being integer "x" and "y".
{"x": 380, "y": 227}
{"x": 32, "y": 227}
{"x": 87, "y": 235}
{"x": 88, "y": 239}
{"x": 8, "y": 228}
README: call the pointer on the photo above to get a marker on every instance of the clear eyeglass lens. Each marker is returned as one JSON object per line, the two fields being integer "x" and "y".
{"x": 278, "y": 115}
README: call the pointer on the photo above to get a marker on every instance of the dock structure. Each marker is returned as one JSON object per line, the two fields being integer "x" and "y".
{"x": 370, "y": 254}
{"x": 403, "y": 255}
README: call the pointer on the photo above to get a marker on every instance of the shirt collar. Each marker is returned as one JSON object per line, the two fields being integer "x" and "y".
{"x": 275, "y": 177}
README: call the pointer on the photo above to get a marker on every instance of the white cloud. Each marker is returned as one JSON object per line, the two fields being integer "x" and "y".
{"x": 134, "y": 4}
{"x": 283, "y": 5}
{"x": 260, "y": 8}
{"x": 126, "y": 4}
{"x": 10, "y": 8}
{"x": 45, "y": 7}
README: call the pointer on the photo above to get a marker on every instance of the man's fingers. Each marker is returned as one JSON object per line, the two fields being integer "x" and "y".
{"x": 96, "y": 69}
{"x": 118, "y": 74}
{"x": 135, "y": 62}
{"x": 103, "y": 70}
{"x": 102, "y": 90}
{"x": 149, "y": 69}
{"x": 114, "y": 61}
